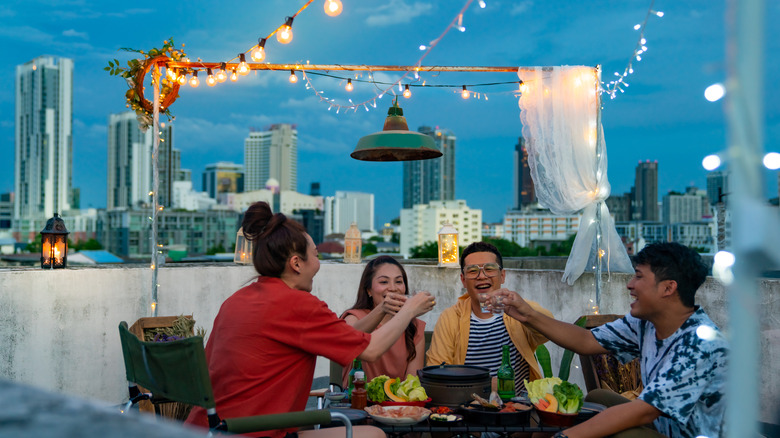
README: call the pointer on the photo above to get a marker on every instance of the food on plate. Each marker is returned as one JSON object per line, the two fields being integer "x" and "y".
{"x": 397, "y": 411}
{"x": 441, "y": 410}
{"x": 383, "y": 388}
{"x": 514, "y": 407}
{"x": 445, "y": 417}
{"x": 484, "y": 403}
{"x": 554, "y": 395}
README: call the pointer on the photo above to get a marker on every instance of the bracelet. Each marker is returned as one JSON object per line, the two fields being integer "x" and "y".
{"x": 560, "y": 435}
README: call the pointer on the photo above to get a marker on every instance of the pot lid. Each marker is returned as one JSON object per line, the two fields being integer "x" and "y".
{"x": 455, "y": 373}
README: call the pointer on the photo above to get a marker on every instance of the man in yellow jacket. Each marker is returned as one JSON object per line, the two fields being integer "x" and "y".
{"x": 470, "y": 334}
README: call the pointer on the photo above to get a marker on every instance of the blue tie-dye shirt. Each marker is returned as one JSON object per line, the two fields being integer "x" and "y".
{"x": 684, "y": 375}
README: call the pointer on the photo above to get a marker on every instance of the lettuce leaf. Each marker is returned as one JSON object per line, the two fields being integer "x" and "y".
{"x": 569, "y": 397}
{"x": 375, "y": 389}
{"x": 540, "y": 387}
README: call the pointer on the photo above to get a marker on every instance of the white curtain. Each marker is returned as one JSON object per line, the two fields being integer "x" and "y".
{"x": 559, "y": 108}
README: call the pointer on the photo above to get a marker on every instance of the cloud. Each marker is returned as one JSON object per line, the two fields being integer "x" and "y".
{"x": 75, "y": 34}
{"x": 91, "y": 131}
{"x": 397, "y": 12}
{"x": 27, "y": 34}
{"x": 521, "y": 8}
{"x": 204, "y": 135}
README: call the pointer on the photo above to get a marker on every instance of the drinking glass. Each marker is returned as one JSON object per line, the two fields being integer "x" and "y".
{"x": 484, "y": 307}
{"x": 498, "y": 305}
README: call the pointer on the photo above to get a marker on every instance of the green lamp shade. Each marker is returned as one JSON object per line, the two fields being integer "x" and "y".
{"x": 395, "y": 146}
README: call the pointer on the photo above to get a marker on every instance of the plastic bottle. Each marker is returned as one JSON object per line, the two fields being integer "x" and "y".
{"x": 359, "y": 395}
{"x": 506, "y": 376}
{"x": 356, "y": 366}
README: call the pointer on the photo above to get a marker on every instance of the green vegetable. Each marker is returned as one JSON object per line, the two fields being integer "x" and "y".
{"x": 410, "y": 383}
{"x": 538, "y": 388}
{"x": 569, "y": 397}
{"x": 418, "y": 394}
{"x": 375, "y": 390}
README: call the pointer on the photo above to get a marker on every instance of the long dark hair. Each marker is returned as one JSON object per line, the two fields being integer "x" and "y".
{"x": 364, "y": 300}
{"x": 275, "y": 239}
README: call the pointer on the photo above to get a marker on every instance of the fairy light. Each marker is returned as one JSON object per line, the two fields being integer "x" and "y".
{"x": 182, "y": 77}
{"x": 285, "y": 34}
{"x": 210, "y": 80}
{"x": 407, "y": 92}
{"x": 293, "y": 78}
{"x": 619, "y": 84}
{"x": 333, "y": 7}
{"x": 243, "y": 67}
{"x": 194, "y": 81}
{"x": 222, "y": 74}
{"x": 233, "y": 75}
{"x": 258, "y": 53}
{"x": 349, "y": 86}
{"x": 465, "y": 93}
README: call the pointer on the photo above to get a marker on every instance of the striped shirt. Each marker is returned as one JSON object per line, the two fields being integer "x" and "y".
{"x": 486, "y": 337}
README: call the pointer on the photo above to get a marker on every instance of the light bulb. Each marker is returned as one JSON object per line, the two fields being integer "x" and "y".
{"x": 258, "y": 53}
{"x": 234, "y": 75}
{"x": 182, "y": 78}
{"x": 333, "y": 7}
{"x": 170, "y": 73}
{"x": 243, "y": 67}
{"x": 284, "y": 34}
{"x": 711, "y": 162}
{"x": 464, "y": 93}
{"x": 222, "y": 74}
{"x": 349, "y": 86}
{"x": 194, "y": 82}
{"x": 210, "y": 80}
{"x": 715, "y": 92}
{"x": 772, "y": 161}
{"x": 407, "y": 92}
{"x": 293, "y": 78}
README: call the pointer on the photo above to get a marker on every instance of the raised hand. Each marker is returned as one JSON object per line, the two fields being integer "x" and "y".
{"x": 392, "y": 302}
{"x": 514, "y": 305}
{"x": 420, "y": 303}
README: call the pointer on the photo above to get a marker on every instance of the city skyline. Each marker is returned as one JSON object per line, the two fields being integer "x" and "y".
{"x": 661, "y": 116}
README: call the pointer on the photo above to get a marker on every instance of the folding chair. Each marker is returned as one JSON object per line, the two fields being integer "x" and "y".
{"x": 177, "y": 371}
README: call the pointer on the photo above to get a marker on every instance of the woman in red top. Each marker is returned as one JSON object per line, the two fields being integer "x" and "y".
{"x": 382, "y": 292}
{"x": 266, "y": 337}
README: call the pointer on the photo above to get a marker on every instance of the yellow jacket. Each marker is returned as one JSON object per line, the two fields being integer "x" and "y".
{"x": 451, "y": 336}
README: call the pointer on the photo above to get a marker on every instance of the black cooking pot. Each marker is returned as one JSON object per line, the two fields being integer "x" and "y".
{"x": 452, "y": 385}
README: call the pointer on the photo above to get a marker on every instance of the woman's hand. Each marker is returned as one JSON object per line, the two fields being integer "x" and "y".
{"x": 392, "y": 302}
{"x": 422, "y": 302}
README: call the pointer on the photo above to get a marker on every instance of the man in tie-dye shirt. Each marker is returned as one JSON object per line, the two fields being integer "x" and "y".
{"x": 681, "y": 351}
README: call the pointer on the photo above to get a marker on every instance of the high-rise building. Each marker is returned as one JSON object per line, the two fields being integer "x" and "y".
{"x": 43, "y": 163}
{"x": 645, "y": 200}
{"x": 431, "y": 180}
{"x": 6, "y": 210}
{"x": 421, "y": 223}
{"x": 531, "y": 226}
{"x": 717, "y": 186}
{"x": 525, "y": 194}
{"x": 347, "y": 207}
{"x": 130, "y": 166}
{"x": 129, "y": 162}
{"x": 679, "y": 208}
{"x": 222, "y": 178}
{"x": 272, "y": 153}
{"x": 619, "y": 207}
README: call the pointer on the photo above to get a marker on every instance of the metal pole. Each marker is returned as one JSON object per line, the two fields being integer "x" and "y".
{"x": 351, "y": 67}
{"x": 599, "y": 252}
{"x": 744, "y": 108}
{"x": 155, "y": 180}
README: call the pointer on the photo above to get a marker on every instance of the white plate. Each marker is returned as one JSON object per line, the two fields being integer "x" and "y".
{"x": 421, "y": 415}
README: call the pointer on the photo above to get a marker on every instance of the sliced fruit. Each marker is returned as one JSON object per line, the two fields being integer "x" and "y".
{"x": 542, "y": 404}
{"x": 553, "y": 407}
{"x": 389, "y": 392}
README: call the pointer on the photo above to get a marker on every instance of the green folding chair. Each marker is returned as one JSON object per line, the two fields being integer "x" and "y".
{"x": 177, "y": 371}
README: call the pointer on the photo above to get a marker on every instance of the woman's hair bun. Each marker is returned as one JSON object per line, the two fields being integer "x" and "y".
{"x": 256, "y": 220}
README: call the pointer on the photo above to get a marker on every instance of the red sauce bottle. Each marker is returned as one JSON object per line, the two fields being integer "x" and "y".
{"x": 359, "y": 395}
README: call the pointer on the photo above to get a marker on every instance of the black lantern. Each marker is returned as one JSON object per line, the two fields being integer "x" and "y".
{"x": 54, "y": 244}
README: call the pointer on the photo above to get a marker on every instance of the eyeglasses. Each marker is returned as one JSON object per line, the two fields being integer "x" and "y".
{"x": 490, "y": 270}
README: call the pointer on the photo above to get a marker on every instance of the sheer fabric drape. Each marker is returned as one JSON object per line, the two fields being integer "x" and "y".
{"x": 567, "y": 155}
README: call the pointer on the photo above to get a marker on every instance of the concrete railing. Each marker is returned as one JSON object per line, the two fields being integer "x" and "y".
{"x": 58, "y": 329}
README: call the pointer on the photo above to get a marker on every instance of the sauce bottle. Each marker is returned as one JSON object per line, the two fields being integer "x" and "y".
{"x": 359, "y": 395}
{"x": 356, "y": 366}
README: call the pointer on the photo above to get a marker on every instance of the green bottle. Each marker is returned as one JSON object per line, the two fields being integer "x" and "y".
{"x": 356, "y": 366}
{"x": 506, "y": 377}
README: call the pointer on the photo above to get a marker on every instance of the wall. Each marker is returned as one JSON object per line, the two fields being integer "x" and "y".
{"x": 58, "y": 329}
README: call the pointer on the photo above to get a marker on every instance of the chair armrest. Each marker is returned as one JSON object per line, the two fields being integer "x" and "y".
{"x": 282, "y": 421}
{"x": 318, "y": 392}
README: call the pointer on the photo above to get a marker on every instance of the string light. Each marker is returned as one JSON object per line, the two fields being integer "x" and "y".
{"x": 243, "y": 67}
{"x": 210, "y": 80}
{"x": 333, "y": 7}
{"x": 182, "y": 77}
{"x": 194, "y": 81}
{"x": 222, "y": 74}
{"x": 293, "y": 78}
{"x": 407, "y": 92}
{"x": 284, "y": 34}
{"x": 465, "y": 93}
{"x": 233, "y": 75}
{"x": 482, "y": 4}
{"x": 619, "y": 84}
{"x": 258, "y": 53}
{"x": 349, "y": 86}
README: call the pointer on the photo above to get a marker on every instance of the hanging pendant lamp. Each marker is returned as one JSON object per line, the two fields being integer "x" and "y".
{"x": 395, "y": 142}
